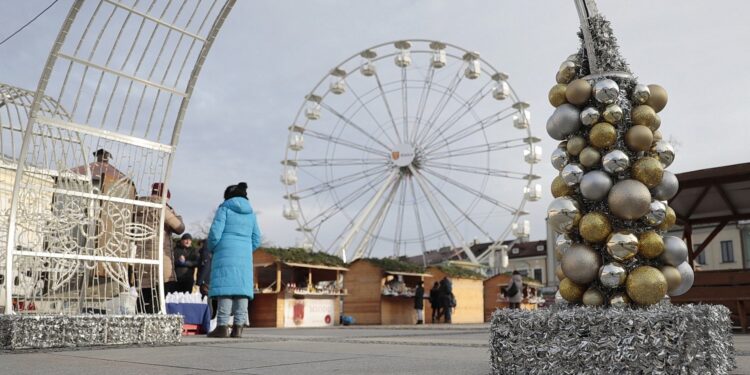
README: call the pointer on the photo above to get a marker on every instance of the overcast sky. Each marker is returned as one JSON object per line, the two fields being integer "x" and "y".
{"x": 271, "y": 53}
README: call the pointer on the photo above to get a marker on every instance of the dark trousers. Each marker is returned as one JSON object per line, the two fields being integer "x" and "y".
{"x": 436, "y": 313}
{"x": 445, "y": 310}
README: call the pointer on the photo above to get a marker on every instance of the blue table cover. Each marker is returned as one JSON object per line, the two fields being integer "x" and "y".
{"x": 193, "y": 313}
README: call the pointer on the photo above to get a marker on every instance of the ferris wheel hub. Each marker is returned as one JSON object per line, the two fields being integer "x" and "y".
{"x": 403, "y": 155}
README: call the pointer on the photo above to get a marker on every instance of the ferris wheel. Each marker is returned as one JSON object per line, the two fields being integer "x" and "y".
{"x": 407, "y": 147}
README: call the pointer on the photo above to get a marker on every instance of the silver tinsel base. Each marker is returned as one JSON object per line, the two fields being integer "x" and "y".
{"x": 662, "y": 339}
{"x": 55, "y": 331}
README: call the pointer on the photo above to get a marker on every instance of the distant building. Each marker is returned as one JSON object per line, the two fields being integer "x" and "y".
{"x": 528, "y": 258}
{"x": 729, "y": 250}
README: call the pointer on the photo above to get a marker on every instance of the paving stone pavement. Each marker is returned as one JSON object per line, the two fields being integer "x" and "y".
{"x": 456, "y": 349}
{"x": 430, "y": 349}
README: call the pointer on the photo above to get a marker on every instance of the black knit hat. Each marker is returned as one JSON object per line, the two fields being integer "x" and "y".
{"x": 233, "y": 191}
{"x": 186, "y": 236}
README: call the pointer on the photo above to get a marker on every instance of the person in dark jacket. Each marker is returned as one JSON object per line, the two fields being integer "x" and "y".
{"x": 204, "y": 276}
{"x": 186, "y": 260}
{"x": 446, "y": 298}
{"x": 419, "y": 302}
{"x": 233, "y": 238}
{"x": 435, "y": 302}
{"x": 517, "y": 297}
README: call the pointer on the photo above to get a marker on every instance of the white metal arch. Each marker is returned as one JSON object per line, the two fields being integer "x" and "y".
{"x": 125, "y": 70}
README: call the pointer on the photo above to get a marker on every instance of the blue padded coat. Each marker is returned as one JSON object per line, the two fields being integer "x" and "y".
{"x": 233, "y": 238}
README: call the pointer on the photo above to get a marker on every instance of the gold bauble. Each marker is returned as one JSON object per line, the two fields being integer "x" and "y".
{"x": 571, "y": 291}
{"x": 559, "y": 272}
{"x": 658, "y": 98}
{"x": 578, "y": 92}
{"x": 603, "y": 135}
{"x": 650, "y": 245}
{"x": 645, "y": 115}
{"x": 593, "y": 297}
{"x": 657, "y": 123}
{"x": 649, "y": 171}
{"x": 657, "y": 136}
{"x": 646, "y": 285}
{"x": 639, "y": 138}
{"x": 560, "y": 188}
{"x": 669, "y": 221}
{"x": 589, "y": 157}
{"x": 575, "y": 145}
{"x": 594, "y": 227}
{"x": 557, "y": 94}
{"x": 673, "y": 276}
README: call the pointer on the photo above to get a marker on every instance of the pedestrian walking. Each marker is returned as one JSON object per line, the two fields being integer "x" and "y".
{"x": 419, "y": 302}
{"x": 233, "y": 238}
{"x": 447, "y": 299}
{"x": 435, "y": 302}
{"x": 514, "y": 290}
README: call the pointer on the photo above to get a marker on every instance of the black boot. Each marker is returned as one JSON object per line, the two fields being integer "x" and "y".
{"x": 420, "y": 322}
{"x": 219, "y": 332}
{"x": 237, "y": 331}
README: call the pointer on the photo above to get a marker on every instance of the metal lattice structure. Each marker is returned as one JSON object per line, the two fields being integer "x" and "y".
{"x": 81, "y": 231}
{"x": 410, "y": 146}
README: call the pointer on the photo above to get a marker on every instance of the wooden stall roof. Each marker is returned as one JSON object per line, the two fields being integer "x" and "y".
{"x": 713, "y": 195}
{"x": 316, "y": 266}
{"x": 408, "y": 273}
{"x": 303, "y": 257}
{"x": 456, "y": 271}
{"x": 391, "y": 265}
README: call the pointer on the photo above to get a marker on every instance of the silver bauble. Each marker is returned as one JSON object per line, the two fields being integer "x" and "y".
{"x": 563, "y": 214}
{"x": 572, "y": 174}
{"x": 641, "y": 93}
{"x": 615, "y": 161}
{"x": 622, "y": 245}
{"x": 687, "y": 275}
{"x": 563, "y": 122}
{"x": 629, "y": 199}
{"x": 667, "y": 188}
{"x": 581, "y": 264}
{"x": 606, "y": 91}
{"x": 595, "y": 185}
{"x": 657, "y": 212}
{"x": 664, "y": 152}
{"x": 675, "y": 251}
{"x": 612, "y": 275}
{"x": 562, "y": 243}
{"x": 559, "y": 158}
{"x": 590, "y": 116}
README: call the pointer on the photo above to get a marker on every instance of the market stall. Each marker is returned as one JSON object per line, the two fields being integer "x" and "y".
{"x": 381, "y": 291}
{"x": 494, "y": 298}
{"x": 467, "y": 288}
{"x": 295, "y": 288}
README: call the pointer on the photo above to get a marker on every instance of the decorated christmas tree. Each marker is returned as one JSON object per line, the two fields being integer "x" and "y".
{"x": 610, "y": 208}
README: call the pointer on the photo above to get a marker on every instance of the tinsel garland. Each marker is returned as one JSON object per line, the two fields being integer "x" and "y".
{"x": 566, "y": 339}
{"x": 54, "y": 331}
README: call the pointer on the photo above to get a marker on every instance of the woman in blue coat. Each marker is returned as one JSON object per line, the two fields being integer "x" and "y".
{"x": 233, "y": 238}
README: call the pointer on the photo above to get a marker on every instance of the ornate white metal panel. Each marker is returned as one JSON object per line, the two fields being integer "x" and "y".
{"x": 81, "y": 230}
